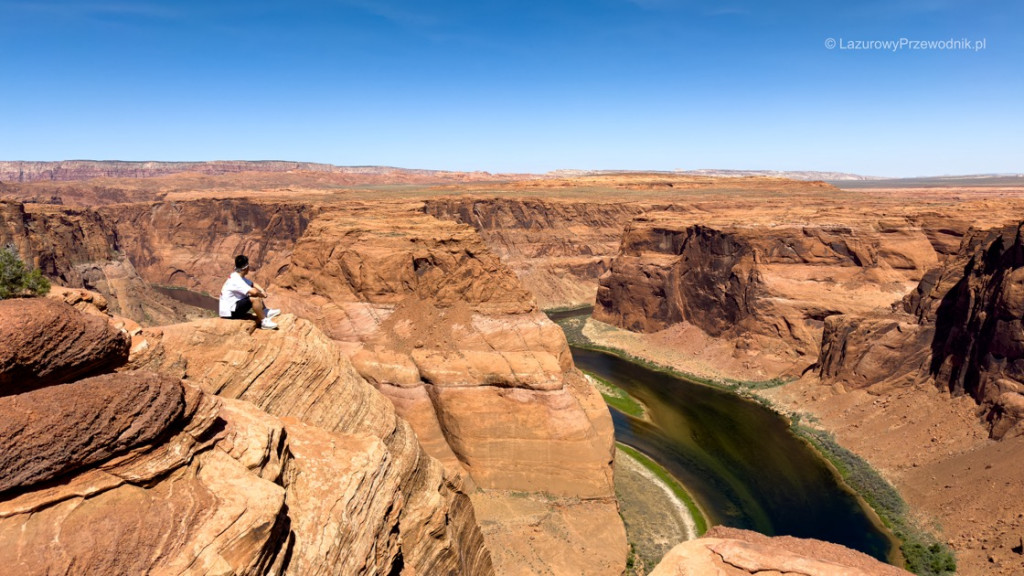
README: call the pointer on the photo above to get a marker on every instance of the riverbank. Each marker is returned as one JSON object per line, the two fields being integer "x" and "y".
{"x": 917, "y": 546}
{"x": 657, "y": 512}
{"x": 618, "y": 398}
{"x": 687, "y": 349}
{"x": 585, "y": 332}
{"x": 957, "y": 483}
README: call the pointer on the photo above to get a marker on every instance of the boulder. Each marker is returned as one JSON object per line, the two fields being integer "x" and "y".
{"x": 55, "y": 430}
{"x": 45, "y": 342}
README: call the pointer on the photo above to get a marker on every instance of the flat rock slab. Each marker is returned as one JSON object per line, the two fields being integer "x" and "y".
{"x": 734, "y": 552}
{"x": 45, "y": 342}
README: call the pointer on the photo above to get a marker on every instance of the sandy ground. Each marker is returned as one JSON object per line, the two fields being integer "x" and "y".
{"x": 656, "y": 520}
{"x": 964, "y": 487}
{"x": 688, "y": 349}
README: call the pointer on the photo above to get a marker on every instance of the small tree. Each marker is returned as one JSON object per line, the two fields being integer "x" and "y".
{"x": 16, "y": 279}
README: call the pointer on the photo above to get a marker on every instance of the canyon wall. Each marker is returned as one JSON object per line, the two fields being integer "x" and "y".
{"x": 768, "y": 289}
{"x": 431, "y": 318}
{"x": 82, "y": 248}
{"x": 496, "y": 451}
{"x": 556, "y": 247}
{"x": 871, "y": 305}
{"x": 192, "y": 245}
{"x": 961, "y": 327}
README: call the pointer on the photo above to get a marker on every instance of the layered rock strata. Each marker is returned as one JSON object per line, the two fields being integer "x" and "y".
{"x": 142, "y": 473}
{"x": 112, "y": 414}
{"x": 296, "y": 373}
{"x": 192, "y": 245}
{"x": 766, "y": 288}
{"x": 438, "y": 324}
{"x": 44, "y": 342}
{"x": 961, "y": 326}
{"x": 558, "y": 248}
{"x": 82, "y": 248}
{"x": 429, "y": 315}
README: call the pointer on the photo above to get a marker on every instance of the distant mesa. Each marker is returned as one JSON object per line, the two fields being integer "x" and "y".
{"x": 78, "y": 170}
{"x": 70, "y": 170}
{"x": 806, "y": 175}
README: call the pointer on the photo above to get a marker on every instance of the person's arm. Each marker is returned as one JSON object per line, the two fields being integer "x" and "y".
{"x": 257, "y": 291}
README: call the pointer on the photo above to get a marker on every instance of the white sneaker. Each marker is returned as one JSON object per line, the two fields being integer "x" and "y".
{"x": 268, "y": 324}
{"x": 271, "y": 312}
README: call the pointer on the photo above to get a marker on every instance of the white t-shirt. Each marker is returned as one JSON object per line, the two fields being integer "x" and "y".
{"x": 236, "y": 288}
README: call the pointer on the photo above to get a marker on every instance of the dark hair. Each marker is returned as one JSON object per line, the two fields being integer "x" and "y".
{"x": 241, "y": 262}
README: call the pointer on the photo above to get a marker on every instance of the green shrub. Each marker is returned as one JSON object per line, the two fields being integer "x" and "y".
{"x": 16, "y": 279}
{"x": 933, "y": 560}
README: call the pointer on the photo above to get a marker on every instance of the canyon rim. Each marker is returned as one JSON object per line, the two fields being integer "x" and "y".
{"x": 416, "y": 412}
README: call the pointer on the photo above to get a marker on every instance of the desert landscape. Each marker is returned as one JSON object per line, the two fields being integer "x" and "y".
{"x": 417, "y": 412}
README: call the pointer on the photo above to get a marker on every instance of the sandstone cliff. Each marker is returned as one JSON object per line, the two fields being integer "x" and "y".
{"x": 431, "y": 313}
{"x": 297, "y": 373}
{"x": 558, "y": 248}
{"x": 766, "y": 288}
{"x": 961, "y": 326}
{"x": 433, "y": 320}
{"x": 139, "y": 472}
{"x": 439, "y": 325}
{"x": 192, "y": 245}
{"x": 979, "y": 332}
{"x": 82, "y": 248}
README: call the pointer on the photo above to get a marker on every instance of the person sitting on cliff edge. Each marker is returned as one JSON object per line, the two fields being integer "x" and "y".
{"x": 241, "y": 295}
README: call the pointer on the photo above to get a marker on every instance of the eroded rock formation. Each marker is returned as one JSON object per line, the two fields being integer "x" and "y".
{"x": 702, "y": 276}
{"x": 733, "y": 552}
{"x": 432, "y": 318}
{"x": 961, "y": 326}
{"x": 81, "y": 248}
{"x": 768, "y": 288}
{"x": 59, "y": 429}
{"x": 137, "y": 472}
{"x": 297, "y": 373}
{"x": 191, "y": 245}
{"x": 439, "y": 325}
{"x": 429, "y": 316}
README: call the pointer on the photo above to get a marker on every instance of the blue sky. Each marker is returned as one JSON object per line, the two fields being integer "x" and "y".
{"x": 518, "y": 86}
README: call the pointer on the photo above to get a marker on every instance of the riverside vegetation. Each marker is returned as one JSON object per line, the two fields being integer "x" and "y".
{"x": 922, "y": 553}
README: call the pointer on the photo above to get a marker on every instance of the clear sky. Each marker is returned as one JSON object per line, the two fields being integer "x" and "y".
{"x": 529, "y": 86}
